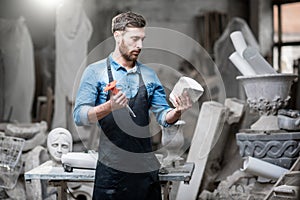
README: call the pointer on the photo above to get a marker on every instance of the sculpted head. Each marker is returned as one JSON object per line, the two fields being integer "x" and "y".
{"x": 59, "y": 142}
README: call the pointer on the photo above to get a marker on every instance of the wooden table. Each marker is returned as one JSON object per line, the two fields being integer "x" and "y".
{"x": 59, "y": 178}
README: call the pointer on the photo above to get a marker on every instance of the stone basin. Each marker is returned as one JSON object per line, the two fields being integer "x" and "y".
{"x": 267, "y": 94}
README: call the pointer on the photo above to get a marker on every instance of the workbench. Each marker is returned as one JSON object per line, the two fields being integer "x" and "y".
{"x": 57, "y": 177}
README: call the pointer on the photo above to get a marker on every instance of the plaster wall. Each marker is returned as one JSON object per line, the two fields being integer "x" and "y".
{"x": 171, "y": 14}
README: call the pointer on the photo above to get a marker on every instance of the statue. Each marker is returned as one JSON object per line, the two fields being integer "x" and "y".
{"x": 59, "y": 142}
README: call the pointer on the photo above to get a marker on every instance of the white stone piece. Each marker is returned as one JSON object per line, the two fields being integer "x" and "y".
{"x": 236, "y": 109}
{"x": 261, "y": 168}
{"x": 193, "y": 88}
{"x": 238, "y": 42}
{"x": 209, "y": 125}
{"x": 258, "y": 63}
{"x": 80, "y": 160}
{"x": 241, "y": 64}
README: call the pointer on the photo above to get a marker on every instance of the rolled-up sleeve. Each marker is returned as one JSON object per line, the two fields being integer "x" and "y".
{"x": 159, "y": 104}
{"x": 86, "y": 97}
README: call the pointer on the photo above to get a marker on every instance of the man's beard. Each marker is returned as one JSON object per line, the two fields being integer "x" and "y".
{"x": 126, "y": 54}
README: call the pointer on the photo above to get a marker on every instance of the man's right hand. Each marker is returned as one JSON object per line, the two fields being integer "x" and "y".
{"x": 118, "y": 101}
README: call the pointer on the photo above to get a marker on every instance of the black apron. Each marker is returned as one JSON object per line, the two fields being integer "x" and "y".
{"x": 127, "y": 168}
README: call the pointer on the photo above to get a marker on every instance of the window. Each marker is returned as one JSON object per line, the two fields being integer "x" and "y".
{"x": 286, "y": 49}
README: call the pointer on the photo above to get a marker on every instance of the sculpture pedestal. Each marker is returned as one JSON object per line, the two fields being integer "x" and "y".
{"x": 280, "y": 148}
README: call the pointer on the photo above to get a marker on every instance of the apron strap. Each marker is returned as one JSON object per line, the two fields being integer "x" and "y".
{"x": 110, "y": 76}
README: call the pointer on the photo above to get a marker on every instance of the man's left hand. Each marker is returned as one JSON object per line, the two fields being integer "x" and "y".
{"x": 182, "y": 103}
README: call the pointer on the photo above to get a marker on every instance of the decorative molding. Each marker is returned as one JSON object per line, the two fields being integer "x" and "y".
{"x": 281, "y": 149}
{"x": 267, "y": 107}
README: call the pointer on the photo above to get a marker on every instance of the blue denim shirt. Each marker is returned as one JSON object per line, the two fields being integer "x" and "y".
{"x": 95, "y": 78}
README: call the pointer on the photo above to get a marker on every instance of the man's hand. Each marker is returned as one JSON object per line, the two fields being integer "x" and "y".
{"x": 182, "y": 103}
{"x": 118, "y": 101}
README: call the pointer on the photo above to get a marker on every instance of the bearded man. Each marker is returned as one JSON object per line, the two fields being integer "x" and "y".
{"x": 127, "y": 167}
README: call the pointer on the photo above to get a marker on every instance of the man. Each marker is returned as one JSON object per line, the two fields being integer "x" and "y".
{"x": 127, "y": 168}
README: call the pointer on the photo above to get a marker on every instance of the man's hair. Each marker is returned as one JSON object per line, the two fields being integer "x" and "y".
{"x": 127, "y": 19}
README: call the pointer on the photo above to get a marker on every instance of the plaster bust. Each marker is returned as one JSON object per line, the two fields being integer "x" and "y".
{"x": 59, "y": 142}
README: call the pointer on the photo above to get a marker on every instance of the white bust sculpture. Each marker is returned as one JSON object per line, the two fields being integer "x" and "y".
{"x": 59, "y": 142}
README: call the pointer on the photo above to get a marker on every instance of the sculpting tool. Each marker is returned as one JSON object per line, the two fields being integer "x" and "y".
{"x": 112, "y": 86}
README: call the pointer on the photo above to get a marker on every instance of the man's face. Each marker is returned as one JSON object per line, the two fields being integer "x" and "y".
{"x": 131, "y": 43}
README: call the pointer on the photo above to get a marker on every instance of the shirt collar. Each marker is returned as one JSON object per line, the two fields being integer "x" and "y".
{"x": 117, "y": 66}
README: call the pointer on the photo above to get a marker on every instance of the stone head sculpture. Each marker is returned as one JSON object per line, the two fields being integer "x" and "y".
{"x": 59, "y": 142}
